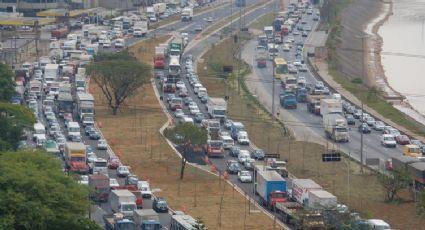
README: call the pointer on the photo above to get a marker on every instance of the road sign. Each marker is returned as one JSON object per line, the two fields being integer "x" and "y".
{"x": 269, "y": 155}
{"x": 326, "y": 157}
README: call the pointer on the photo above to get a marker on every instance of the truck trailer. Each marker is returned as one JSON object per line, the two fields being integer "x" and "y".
{"x": 123, "y": 201}
{"x": 187, "y": 14}
{"x": 301, "y": 187}
{"x": 99, "y": 187}
{"x": 217, "y": 108}
{"x": 146, "y": 219}
{"x": 75, "y": 157}
{"x": 270, "y": 187}
{"x": 330, "y": 105}
{"x": 336, "y": 127}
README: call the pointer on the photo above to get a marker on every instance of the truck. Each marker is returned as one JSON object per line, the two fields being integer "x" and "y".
{"x": 51, "y": 72}
{"x": 330, "y": 105}
{"x": 123, "y": 201}
{"x": 117, "y": 222}
{"x": 35, "y": 87}
{"x": 75, "y": 157}
{"x": 65, "y": 103}
{"x": 321, "y": 199}
{"x": 288, "y": 100}
{"x": 187, "y": 14}
{"x": 140, "y": 28}
{"x": 99, "y": 187}
{"x": 176, "y": 46}
{"x": 294, "y": 214}
{"x": 215, "y": 146}
{"x": 59, "y": 33}
{"x": 146, "y": 219}
{"x": 217, "y": 108}
{"x": 301, "y": 94}
{"x": 301, "y": 187}
{"x": 159, "y": 8}
{"x": 136, "y": 192}
{"x": 85, "y": 104}
{"x": 336, "y": 127}
{"x": 270, "y": 187}
{"x": 159, "y": 58}
{"x": 235, "y": 128}
{"x": 150, "y": 12}
{"x": 313, "y": 103}
{"x": 261, "y": 58}
{"x": 99, "y": 165}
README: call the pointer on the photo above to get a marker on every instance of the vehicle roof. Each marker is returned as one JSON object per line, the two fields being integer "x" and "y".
{"x": 306, "y": 183}
{"x": 73, "y": 124}
{"x": 270, "y": 175}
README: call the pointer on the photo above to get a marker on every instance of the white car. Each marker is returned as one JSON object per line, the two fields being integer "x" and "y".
{"x": 388, "y": 140}
{"x": 245, "y": 177}
{"x": 180, "y": 84}
{"x": 243, "y": 156}
{"x": 102, "y": 145}
{"x": 144, "y": 187}
{"x": 113, "y": 183}
{"x": 194, "y": 110}
{"x": 123, "y": 171}
{"x": 91, "y": 157}
{"x": 84, "y": 180}
{"x": 242, "y": 138}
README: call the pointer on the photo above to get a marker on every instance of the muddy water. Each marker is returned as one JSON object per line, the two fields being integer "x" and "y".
{"x": 403, "y": 56}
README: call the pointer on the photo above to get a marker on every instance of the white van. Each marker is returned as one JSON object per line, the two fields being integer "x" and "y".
{"x": 202, "y": 91}
{"x": 228, "y": 142}
{"x": 196, "y": 87}
{"x": 73, "y": 129}
{"x": 39, "y": 136}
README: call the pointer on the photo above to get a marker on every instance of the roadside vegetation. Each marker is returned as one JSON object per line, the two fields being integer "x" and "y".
{"x": 133, "y": 134}
{"x": 363, "y": 193}
{"x": 370, "y": 96}
{"x": 262, "y": 21}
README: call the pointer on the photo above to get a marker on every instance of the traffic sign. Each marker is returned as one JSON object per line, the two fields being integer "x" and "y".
{"x": 326, "y": 157}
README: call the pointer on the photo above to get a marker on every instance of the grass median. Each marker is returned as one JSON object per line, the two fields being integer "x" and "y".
{"x": 133, "y": 135}
{"x": 362, "y": 192}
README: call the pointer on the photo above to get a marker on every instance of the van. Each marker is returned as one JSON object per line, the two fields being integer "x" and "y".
{"x": 227, "y": 142}
{"x": 202, "y": 92}
{"x": 196, "y": 87}
{"x": 73, "y": 130}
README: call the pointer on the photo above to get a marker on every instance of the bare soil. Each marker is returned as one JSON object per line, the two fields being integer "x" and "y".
{"x": 133, "y": 135}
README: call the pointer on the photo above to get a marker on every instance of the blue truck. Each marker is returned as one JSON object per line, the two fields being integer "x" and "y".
{"x": 114, "y": 222}
{"x": 270, "y": 187}
{"x": 301, "y": 94}
{"x": 235, "y": 128}
{"x": 288, "y": 100}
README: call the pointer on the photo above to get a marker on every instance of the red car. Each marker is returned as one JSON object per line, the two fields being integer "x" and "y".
{"x": 113, "y": 163}
{"x": 402, "y": 140}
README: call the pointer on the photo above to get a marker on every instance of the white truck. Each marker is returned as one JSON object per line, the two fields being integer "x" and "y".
{"x": 150, "y": 12}
{"x": 123, "y": 201}
{"x": 146, "y": 219}
{"x": 319, "y": 199}
{"x": 187, "y": 14}
{"x": 51, "y": 72}
{"x": 330, "y": 105}
{"x": 217, "y": 108}
{"x": 301, "y": 187}
{"x": 159, "y": 8}
{"x": 140, "y": 28}
{"x": 336, "y": 127}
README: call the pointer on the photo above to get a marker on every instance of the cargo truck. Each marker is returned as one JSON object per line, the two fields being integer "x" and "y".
{"x": 176, "y": 46}
{"x": 146, "y": 219}
{"x": 270, "y": 187}
{"x": 117, "y": 222}
{"x": 217, "y": 108}
{"x": 214, "y": 146}
{"x": 60, "y": 32}
{"x": 288, "y": 100}
{"x": 135, "y": 190}
{"x": 321, "y": 199}
{"x": 329, "y": 105}
{"x": 187, "y": 14}
{"x": 235, "y": 128}
{"x": 159, "y": 8}
{"x": 261, "y": 59}
{"x": 159, "y": 58}
{"x": 313, "y": 103}
{"x": 123, "y": 201}
{"x": 99, "y": 187}
{"x": 140, "y": 28}
{"x": 294, "y": 214}
{"x": 301, "y": 187}
{"x": 301, "y": 94}
{"x": 75, "y": 157}
{"x": 336, "y": 127}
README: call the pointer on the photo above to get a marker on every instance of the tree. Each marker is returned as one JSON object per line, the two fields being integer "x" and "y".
{"x": 118, "y": 76}
{"x": 420, "y": 204}
{"x": 393, "y": 182}
{"x": 36, "y": 194}
{"x": 188, "y": 136}
{"x": 199, "y": 225}
{"x": 7, "y": 84}
{"x": 13, "y": 120}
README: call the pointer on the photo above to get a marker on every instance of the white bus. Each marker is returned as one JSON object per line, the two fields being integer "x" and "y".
{"x": 181, "y": 221}
{"x": 174, "y": 66}
{"x": 39, "y": 136}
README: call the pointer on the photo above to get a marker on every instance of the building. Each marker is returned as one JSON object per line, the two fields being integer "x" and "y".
{"x": 17, "y": 51}
{"x": 29, "y": 7}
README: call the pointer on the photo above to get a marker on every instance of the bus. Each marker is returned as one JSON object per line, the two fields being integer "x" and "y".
{"x": 280, "y": 68}
{"x": 180, "y": 221}
{"x": 174, "y": 67}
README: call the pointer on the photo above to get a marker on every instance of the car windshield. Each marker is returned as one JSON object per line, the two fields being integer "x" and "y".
{"x": 77, "y": 159}
{"x": 278, "y": 195}
{"x": 244, "y": 173}
{"x": 388, "y": 138}
{"x": 128, "y": 207}
{"x": 100, "y": 164}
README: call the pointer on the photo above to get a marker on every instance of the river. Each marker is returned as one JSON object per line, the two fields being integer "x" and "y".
{"x": 403, "y": 51}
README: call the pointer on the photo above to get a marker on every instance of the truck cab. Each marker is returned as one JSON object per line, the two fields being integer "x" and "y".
{"x": 412, "y": 151}
{"x": 288, "y": 100}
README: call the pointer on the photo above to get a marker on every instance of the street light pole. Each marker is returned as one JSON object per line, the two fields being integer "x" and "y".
{"x": 273, "y": 83}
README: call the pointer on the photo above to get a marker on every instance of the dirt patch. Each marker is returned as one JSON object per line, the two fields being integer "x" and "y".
{"x": 133, "y": 135}
{"x": 361, "y": 192}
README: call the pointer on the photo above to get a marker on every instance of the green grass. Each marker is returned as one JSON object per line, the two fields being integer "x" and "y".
{"x": 371, "y": 97}
{"x": 265, "y": 20}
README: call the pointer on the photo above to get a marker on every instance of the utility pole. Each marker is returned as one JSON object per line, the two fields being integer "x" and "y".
{"x": 361, "y": 133}
{"x": 273, "y": 93}
{"x": 37, "y": 37}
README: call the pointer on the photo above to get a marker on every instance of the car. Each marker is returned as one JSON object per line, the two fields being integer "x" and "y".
{"x": 234, "y": 151}
{"x": 94, "y": 135}
{"x": 319, "y": 85}
{"x": 91, "y": 157}
{"x": 113, "y": 183}
{"x": 370, "y": 121}
{"x": 187, "y": 100}
{"x": 204, "y": 99}
{"x": 194, "y": 110}
{"x": 232, "y": 167}
{"x": 131, "y": 179}
{"x": 242, "y": 138}
{"x": 394, "y": 132}
{"x": 198, "y": 28}
{"x": 316, "y": 18}
{"x": 84, "y": 180}
{"x": 249, "y": 164}
{"x": 304, "y": 34}
{"x": 307, "y": 28}
{"x": 292, "y": 69}
{"x": 295, "y": 32}
{"x": 387, "y": 140}
{"x": 364, "y": 128}
{"x": 245, "y": 177}
{"x": 303, "y": 68}
{"x": 350, "y": 119}
{"x": 180, "y": 84}
{"x": 170, "y": 96}
{"x": 145, "y": 189}
{"x": 209, "y": 19}
{"x": 357, "y": 114}
{"x": 153, "y": 19}
{"x": 102, "y": 145}
{"x": 88, "y": 129}
{"x": 402, "y": 139}
{"x": 183, "y": 92}
{"x": 243, "y": 156}
{"x": 123, "y": 171}
{"x": 257, "y": 154}
{"x": 160, "y": 204}
{"x": 198, "y": 117}
{"x": 228, "y": 124}
{"x": 113, "y": 163}
{"x": 378, "y": 126}
{"x": 178, "y": 113}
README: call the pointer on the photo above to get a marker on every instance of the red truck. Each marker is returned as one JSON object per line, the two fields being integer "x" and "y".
{"x": 215, "y": 146}
{"x": 159, "y": 58}
{"x": 60, "y": 32}
{"x": 99, "y": 187}
{"x": 133, "y": 189}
